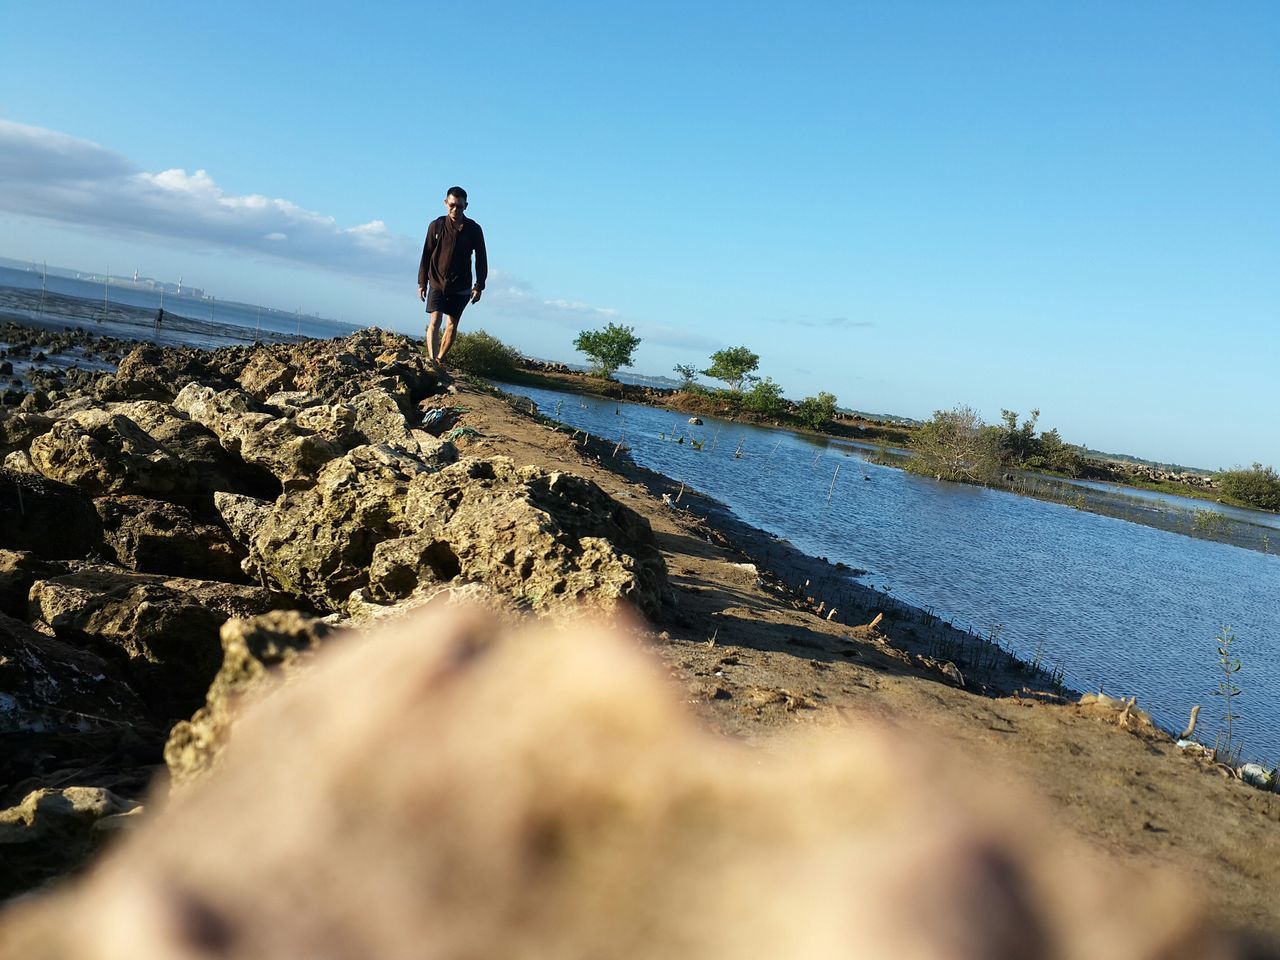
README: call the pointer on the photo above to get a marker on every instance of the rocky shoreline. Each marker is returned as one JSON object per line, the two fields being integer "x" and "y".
{"x": 183, "y": 535}
{"x": 144, "y": 509}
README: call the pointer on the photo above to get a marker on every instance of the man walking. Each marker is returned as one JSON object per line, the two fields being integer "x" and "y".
{"x": 445, "y": 271}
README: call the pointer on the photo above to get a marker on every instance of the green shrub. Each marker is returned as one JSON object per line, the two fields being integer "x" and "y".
{"x": 688, "y": 375}
{"x": 816, "y": 412}
{"x": 1022, "y": 449}
{"x": 1258, "y": 486}
{"x": 484, "y": 355}
{"x": 956, "y": 445}
{"x": 1053, "y": 453}
{"x": 764, "y": 398}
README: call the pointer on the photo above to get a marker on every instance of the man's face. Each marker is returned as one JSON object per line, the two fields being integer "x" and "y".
{"x": 454, "y": 206}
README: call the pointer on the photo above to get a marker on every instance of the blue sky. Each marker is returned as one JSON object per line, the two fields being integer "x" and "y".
{"x": 913, "y": 205}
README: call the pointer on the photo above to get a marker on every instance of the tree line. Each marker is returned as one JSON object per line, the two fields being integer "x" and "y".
{"x": 953, "y": 444}
{"x": 613, "y": 347}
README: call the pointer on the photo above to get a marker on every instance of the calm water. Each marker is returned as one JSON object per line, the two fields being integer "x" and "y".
{"x": 1119, "y": 605}
{"x": 231, "y": 321}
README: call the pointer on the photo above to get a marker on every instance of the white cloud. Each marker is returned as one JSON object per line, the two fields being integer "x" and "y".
{"x": 57, "y": 177}
{"x": 53, "y": 176}
{"x": 826, "y": 323}
{"x": 577, "y": 306}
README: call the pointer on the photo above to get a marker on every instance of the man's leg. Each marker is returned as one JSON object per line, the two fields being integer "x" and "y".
{"x": 446, "y": 341}
{"x": 433, "y": 332}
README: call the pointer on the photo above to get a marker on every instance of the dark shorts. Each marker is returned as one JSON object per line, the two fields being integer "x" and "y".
{"x": 450, "y": 304}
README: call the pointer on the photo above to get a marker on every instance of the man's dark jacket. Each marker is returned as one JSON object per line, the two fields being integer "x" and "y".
{"x": 446, "y": 257}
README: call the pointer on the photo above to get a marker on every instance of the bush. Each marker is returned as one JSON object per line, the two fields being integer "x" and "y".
{"x": 483, "y": 355}
{"x": 816, "y": 412}
{"x": 1021, "y": 448}
{"x": 688, "y": 375}
{"x": 956, "y": 445}
{"x": 1258, "y": 486}
{"x": 764, "y": 398}
{"x": 1053, "y": 453}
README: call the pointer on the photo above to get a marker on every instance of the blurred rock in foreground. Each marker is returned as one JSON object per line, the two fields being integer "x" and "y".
{"x": 450, "y": 788}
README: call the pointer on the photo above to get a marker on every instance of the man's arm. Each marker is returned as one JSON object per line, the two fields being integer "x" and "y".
{"x": 428, "y": 251}
{"x": 482, "y": 265}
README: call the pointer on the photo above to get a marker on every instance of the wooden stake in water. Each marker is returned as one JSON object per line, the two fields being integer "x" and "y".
{"x": 213, "y": 305}
{"x": 44, "y": 276}
{"x": 832, "y": 488}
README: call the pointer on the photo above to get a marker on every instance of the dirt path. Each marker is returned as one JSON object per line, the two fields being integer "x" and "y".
{"x": 756, "y": 657}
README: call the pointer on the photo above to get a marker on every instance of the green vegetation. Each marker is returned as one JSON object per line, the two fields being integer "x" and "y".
{"x": 817, "y": 412}
{"x": 609, "y": 348}
{"x": 483, "y": 355}
{"x": 1210, "y": 523}
{"x": 688, "y": 375}
{"x": 956, "y": 445}
{"x": 733, "y": 366}
{"x": 1022, "y": 449}
{"x": 1258, "y": 486}
{"x": 764, "y": 398}
{"x": 1225, "y": 747}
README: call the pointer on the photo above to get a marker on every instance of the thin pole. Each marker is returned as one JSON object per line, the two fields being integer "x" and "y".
{"x": 44, "y": 276}
{"x": 257, "y": 324}
{"x": 297, "y": 315}
{"x": 213, "y": 306}
{"x": 832, "y": 488}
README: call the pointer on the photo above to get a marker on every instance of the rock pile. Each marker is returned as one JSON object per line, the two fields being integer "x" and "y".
{"x": 190, "y": 488}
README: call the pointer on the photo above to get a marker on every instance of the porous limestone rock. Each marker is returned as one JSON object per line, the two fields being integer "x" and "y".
{"x": 162, "y": 630}
{"x": 54, "y": 520}
{"x": 290, "y": 402}
{"x": 291, "y": 453}
{"x": 339, "y": 370}
{"x": 18, "y": 429}
{"x": 257, "y": 656}
{"x": 243, "y": 515}
{"x": 199, "y": 448}
{"x": 52, "y": 831}
{"x": 19, "y": 461}
{"x": 102, "y": 452}
{"x": 64, "y": 708}
{"x": 50, "y": 686}
{"x": 150, "y": 372}
{"x": 19, "y": 569}
{"x": 335, "y": 422}
{"x": 152, "y": 536}
{"x": 378, "y": 418}
{"x": 549, "y": 539}
{"x": 318, "y": 543}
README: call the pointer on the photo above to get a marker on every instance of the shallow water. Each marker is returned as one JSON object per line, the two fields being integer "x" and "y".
{"x": 1118, "y": 605}
{"x": 191, "y": 321}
